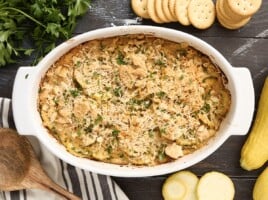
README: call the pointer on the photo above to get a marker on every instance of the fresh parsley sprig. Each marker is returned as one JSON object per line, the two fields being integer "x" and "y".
{"x": 43, "y": 22}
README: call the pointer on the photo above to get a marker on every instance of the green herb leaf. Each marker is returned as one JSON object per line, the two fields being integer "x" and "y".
{"x": 118, "y": 92}
{"x": 161, "y": 154}
{"x": 115, "y": 132}
{"x": 161, "y": 94}
{"x": 120, "y": 59}
{"x": 89, "y": 128}
{"x": 160, "y": 63}
{"x": 109, "y": 149}
{"x": 28, "y": 52}
{"x": 75, "y": 92}
{"x": 80, "y": 7}
{"x": 206, "y": 107}
{"x": 151, "y": 133}
{"x": 36, "y": 10}
{"x": 99, "y": 119}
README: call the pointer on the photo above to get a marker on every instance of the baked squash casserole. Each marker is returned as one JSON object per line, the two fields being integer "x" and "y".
{"x": 133, "y": 100}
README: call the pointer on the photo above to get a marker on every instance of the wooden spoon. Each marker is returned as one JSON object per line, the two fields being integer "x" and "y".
{"x": 20, "y": 169}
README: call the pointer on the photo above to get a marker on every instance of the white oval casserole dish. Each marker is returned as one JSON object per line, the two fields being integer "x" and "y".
{"x": 28, "y": 120}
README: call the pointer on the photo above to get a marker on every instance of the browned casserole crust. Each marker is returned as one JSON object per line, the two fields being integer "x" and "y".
{"x": 133, "y": 99}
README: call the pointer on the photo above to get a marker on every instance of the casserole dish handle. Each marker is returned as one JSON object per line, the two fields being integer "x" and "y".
{"x": 23, "y": 100}
{"x": 245, "y": 102}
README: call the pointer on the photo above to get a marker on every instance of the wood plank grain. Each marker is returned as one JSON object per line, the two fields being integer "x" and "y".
{"x": 7, "y": 75}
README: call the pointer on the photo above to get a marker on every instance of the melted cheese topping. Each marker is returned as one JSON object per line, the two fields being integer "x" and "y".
{"x": 133, "y": 99}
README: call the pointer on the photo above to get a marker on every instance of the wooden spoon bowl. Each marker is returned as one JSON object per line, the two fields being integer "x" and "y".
{"x": 20, "y": 168}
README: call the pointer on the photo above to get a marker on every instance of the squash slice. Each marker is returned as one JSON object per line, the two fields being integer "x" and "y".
{"x": 189, "y": 181}
{"x": 173, "y": 189}
{"x": 215, "y": 186}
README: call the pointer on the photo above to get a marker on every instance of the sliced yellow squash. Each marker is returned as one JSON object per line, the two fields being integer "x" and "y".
{"x": 215, "y": 186}
{"x": 173, "y": 189}
{"x": 190, "y": 180}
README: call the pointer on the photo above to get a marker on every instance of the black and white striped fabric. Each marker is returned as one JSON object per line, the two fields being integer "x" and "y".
{"x": 84, "y": 184}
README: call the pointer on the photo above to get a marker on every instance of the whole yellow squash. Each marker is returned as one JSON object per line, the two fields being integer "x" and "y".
{"x": 260, "y": 191}
{"x": 255, "y": 150}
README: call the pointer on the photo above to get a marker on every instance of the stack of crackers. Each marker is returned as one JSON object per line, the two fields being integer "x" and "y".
{"x": 234, "y": 14}
{"x": 231, "y": 14}
{"x": 199, "y": 13}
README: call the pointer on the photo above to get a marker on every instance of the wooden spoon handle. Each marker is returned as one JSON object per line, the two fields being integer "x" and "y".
{"x": 38, "y": 178}
{"x": 45, "y": 183}
{"x": 61, "y": 191}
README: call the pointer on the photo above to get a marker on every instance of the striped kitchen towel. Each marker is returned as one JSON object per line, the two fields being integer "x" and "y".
{"x": 84, "y": 184}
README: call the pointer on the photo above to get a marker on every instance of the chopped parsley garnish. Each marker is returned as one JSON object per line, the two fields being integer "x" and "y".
{"x": 161, "y": 154}
{"x": 120, "y": 59}
{"x": 78, "y": 64}
{"x": 118, "y": 92}
{"x": 79, "y": 132}
{"x": 135, "y": 101}
{"x": 95, "y": 75}
{"x": 89, "y": 128}
{"x": 75, "y": 92}
{"x": 162, "y": 130}
{"x": 115, "y": 132}
{"x": 151, "y": 133}
{"x": 56, "y": 101}
{"x": 161, "y": 94}
{"x": 99, "y": 119}
{"x": 143, "y": 103}
{"x": 151, "y": 75}
{"x": 206, "y": 107}
{"x": 160, "y": 63}
{"x": 109, "y": 149}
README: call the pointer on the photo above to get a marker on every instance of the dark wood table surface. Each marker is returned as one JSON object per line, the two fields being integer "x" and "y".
{"x": 246, "y": 47}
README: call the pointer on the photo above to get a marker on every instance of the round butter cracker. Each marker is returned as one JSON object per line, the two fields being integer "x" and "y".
{"x": 226, "y": 12}
{"x": 244, "y": 7}
{"x": 223, "y": 4}
{"x": 221, "y": 12}
{"x": 181, "y": 10}
{"x": 227, "y": 23}
{"x": 152, "y": 11}
{"x": 171, "y": 5}
{"x": 160, "y": 12}
{"x": 201, "y": 13}
{"x": 140, "y": 8}
{"x": 167, "y": 11}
